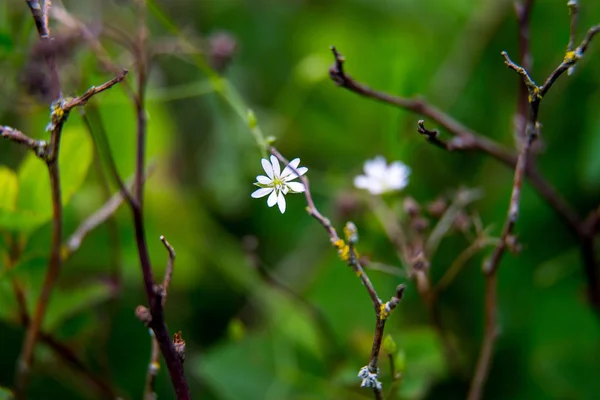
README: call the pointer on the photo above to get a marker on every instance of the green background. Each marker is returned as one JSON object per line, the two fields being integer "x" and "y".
{"x": 245, "y": 338}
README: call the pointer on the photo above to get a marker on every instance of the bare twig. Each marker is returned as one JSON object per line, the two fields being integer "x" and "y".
{"x": 169, "y": 270}
{"x": 523, "y": 13}
{"x": 536, "y": 94}
{"x": 38, "y": 146}
{"x": 154, "y": 365}
{"x": 460, "y": 261}
{"x": 348, "y": 254}
{"x": 173, "y": 357}
{"x": 464, "y": 139}
{"x": 59, "y": 115}
{"x": 63, "y": 352}
{"x": 431, "y": 136}
{"x": 94, "y": 90}
{"x": 74, "y": 241}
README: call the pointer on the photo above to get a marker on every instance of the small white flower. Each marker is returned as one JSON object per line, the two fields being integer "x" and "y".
{"x": 277, "y": 183}
{"x": 380, "y": 178}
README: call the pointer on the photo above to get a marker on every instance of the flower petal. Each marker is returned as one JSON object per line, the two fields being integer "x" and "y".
{"x": 272, "y": 199}
{"x": 295, "y": 187}
{"x": 276, "y": 167}
{"x": 376, "y": 167}
{"x": 281, "y": 202}
{"x": 290, "y": 167}
{"x": 292, "y": 175}
{"x": 262, "y": 192}
{"x": 362, "y": 182}
{"x": 267, "y": 167}
{"x": 373, "y": 185}
{"x": 264, "y": 180}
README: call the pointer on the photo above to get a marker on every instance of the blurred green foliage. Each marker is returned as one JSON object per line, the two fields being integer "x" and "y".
{"x": 247, "y": 339}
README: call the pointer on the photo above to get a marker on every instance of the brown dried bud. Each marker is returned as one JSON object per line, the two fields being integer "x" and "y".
{"x": 437, "y": 207}
{"x": 179, "y": 345}
{"x": 143, "y": 314}
{"x": 411, "y": 207}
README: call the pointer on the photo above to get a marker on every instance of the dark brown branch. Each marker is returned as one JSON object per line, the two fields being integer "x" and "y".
{"x": 536, "y": 94}
{"x": 40, "y": 17}
{"x": 94, "y": 90}
{"x": 570, "y": 60}
{"x": 74, "y": 241}
{"x": 431, "y": 136}
{"x": 465, "y": 139}
{"x": 38, "y": 146}
{"x": 574, "y": 13}
{"x": 348, "y": 254}
{"x": 523, "y": 13}
{"x": 67, "y": 355}
{"x": 101, "y": 140}
{"x": 169, "y": 270}
{"x": 173, "y": 357}
{"x": 58, "y": 117}
{"x": 154, "y": 365}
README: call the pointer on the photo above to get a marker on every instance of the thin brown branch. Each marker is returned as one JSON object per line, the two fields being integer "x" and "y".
{"x": 523, "y": 13}
{"x": 38, "y": 146}
{"x": 574, "y": 13}
{"x": 536, "y": 94}
{"x": 464, "y": 138}
{"x": 169, "y": 270}
{"x": 58, "y": 117}
{"x": 74, "y": 241}
{"x": 348, "y": 254}
{"x": 153, "y": 368}
{"x": 460, "y": 261}
{"x": 173, "y": 356}
{"x": 40, "y": 17}
{"x": 570, "y": 60}
{"x": 94, "y": 90}
{"x": 489, "y": 338}
{"x": 63, "y": 352}
{"x": 101, "y": 140}
{"x": 431, "y": 136}
{"x": 491, "y": 265}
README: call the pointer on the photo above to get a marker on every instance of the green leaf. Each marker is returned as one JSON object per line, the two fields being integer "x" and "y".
{"x": 5, "y": 394}
{"x": 9, "y": 185}
{"x": 33, "y": 204}
{"x": 74, "y": 300}
{"x": 424, "y": 361}
{"x": 222, "y": 370}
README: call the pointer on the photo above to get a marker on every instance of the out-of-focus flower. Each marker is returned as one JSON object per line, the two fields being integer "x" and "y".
{"x": 380, "y": 178}
{"x": 278, "y": 183}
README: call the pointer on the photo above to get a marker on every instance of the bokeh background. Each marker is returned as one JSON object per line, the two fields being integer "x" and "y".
{"x": 246, "y": 338}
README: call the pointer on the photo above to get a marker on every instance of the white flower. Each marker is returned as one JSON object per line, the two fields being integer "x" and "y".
{"x": 277, "y": 183}
{"x": 380, "y": 178}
